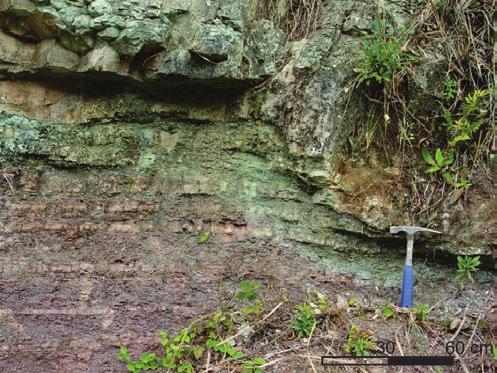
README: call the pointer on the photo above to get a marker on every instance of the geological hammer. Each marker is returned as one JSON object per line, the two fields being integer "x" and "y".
{"x": 407, "y": 295}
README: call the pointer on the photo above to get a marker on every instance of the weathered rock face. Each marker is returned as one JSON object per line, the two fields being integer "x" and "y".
{"x": 164, "y": 42}
{"x": 128, "y": 128}
{"x": 86, "y": 71}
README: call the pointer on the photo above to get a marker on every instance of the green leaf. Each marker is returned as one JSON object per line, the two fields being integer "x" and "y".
{"x": 427, "y": 157}
{"x": 494, "y": 352}
{"x": 123, "y": 353}
{"x": 448, "y": 117}
{"x": 388, "y": 312}
{"x": 433, "y": 169}
{"x": 185, "y": 368}
{"x": 197, "y": 352}
{"x": 448, "y": 178}
{"x": 459, "y": 138}
{"x": 439, "y": 157}
{"x": 204, "y": 237}
{"x": 248, "y": 290}
{"x": 450, "y": 158}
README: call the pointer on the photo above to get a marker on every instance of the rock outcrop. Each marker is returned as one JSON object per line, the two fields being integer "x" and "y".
{"x": 130, "y": 127}
{"x": 127, "y": 86}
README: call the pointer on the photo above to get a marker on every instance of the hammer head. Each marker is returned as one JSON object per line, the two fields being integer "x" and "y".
{"x": 410, "y": 229}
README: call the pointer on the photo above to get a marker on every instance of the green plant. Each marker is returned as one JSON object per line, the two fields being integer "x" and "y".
{"x": 462, "y": 183}
{"x": 352, "y": 301}
{"x": 387, "y": 311}
{"x": 446, "y": 323}
{"x": 204, "y": 237}
{"x": 482, "y": 325}
{"x": 469, "y": 117}
{"x": 305, "y": 321}
{"x": 220, "y": 319}
{"x": 145, "y": 362}
{"x": 359, "y": 341}
{"x": 384, "y": 54}
{"x": 214, "y": 343}
{"x": 182, "y": 349}
{"x": 439, "y": 162}
{"x": 254, "y": 365}
{"x": 248, "y": 290}
{"x": 450, "y": 89}
{"x": 322, "y": 303}
{"x": 466, "y": 267}
{"x": 421, "y": 311}
{"x": 494, "y": 351}
{"x": 372, "y": 123}
{"x": 406, "y": 132}
{"x": 354, "y": 145}
{"x": 254, "y": 309}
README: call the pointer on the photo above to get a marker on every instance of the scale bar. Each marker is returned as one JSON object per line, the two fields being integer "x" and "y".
{"x": 387, "y": 360}
{"x": 421, "y": 360}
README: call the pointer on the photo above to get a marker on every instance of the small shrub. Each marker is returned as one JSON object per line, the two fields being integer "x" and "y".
{"x": 450, "y": 89}
{"x": 387, "y": 312}
{"x": 248, "y": 290}
{"x": 466, "y": 267}
{"x": 352, "y": 301}
{"x": 421, "y": 311}
{"x": 384, "y": 54}
{"x": 305, "y": 321}
{"x": 439, "y": 162}
{"x": 359, "y": 341}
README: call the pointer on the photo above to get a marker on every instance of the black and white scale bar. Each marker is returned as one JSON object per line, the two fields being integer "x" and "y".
{"x": 387, "y": 360}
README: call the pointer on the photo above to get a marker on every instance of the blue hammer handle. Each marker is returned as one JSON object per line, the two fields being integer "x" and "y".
{"x": 407, "y": 298}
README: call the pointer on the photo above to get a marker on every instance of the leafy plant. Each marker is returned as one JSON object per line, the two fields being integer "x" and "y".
{"x": 466, "y": 267}
{"x": 384, "y": 54}
{"x": 215, "y": 344}
{"x": 220, "y": 318}
{"x": 354, "y": 145}
{"x": 204, "y": 237}
{"x": 322, "y": 303}
{"x": 450, "y": 89}
{"x": 359, "y": 341}
{"x": 439, "y": 162}
{"x": 254, "y": 365}
{"x": 387, "y": 311}
{"x": 352, "y": 301}
{"x": 254, "y": 309}
{"x": 469, "y": 117}
{"x": 305, "y": 321}
{"x": 421, "y": 311}
{"x": 462, "y": 183}
{"x": 182, "y": 349}
{"x": 446, "y": 323}
{"x": 248, "y": 290}
{"x": 145, "y": 362}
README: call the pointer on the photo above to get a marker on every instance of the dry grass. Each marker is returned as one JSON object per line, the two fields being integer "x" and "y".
{"x": 460, "y": 35}
{"x": 298, "y": 18}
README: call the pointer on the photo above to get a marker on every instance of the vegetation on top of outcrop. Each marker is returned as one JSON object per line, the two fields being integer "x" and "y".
{"x": 385, "y": 54}
{"x": 431, "y": 93}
